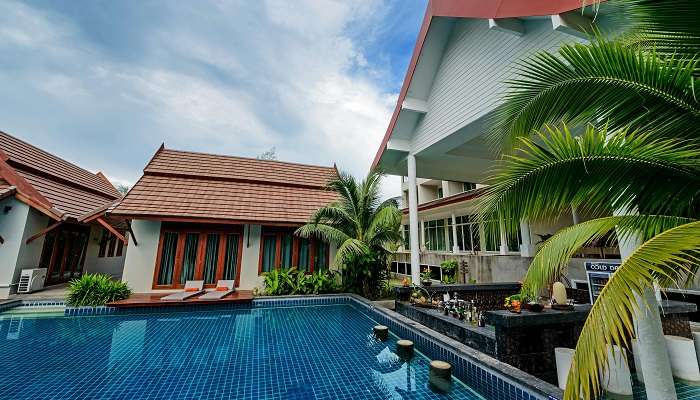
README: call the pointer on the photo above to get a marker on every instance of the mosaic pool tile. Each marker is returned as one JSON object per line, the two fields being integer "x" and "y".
{"x": 318, "y": 352}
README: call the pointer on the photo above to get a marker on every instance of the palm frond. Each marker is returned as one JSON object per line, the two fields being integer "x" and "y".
{"x": 387, "y": 219}
{"x": 553, "y": 171}
{"x": 601, "y": 81}
{"x": 553, "y": 257}
{"x": 326, "y": 233}
{"x": 668, "y": 258}
{"x": 349, "y": 249}
{"x": 667, "y": 27}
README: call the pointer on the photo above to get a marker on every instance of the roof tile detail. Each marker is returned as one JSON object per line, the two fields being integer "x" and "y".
{"x": 179, "y": 184}
{"x": 71, "y": 190}
{"x": 25, "y": 154}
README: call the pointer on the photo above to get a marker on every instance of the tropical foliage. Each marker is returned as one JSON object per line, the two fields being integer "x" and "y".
{"x": 449, "y": 271}
{"x": 613, "y": 129}
{"x": 363, "y": 227}
{"x": 287, "y": 281}
{"x": 95, "y": 290}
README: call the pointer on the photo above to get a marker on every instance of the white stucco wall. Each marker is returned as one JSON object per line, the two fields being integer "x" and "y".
{"x": 16, "y": 226}
{"x": 112, "y": 266}
{"x": 140, "y": 260}
{"x": 250, "y": 258}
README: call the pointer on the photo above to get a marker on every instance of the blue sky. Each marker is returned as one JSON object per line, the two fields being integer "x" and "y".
{"x": 104, "y": 83}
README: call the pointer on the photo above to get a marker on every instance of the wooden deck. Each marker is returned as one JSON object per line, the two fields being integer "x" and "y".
{"x": 153, "y": 300}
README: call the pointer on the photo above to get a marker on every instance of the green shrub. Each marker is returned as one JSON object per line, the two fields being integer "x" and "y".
{"x": 449, "y": 269}
{"x": 280, "y": 282}
{"x": 96, "y": 290}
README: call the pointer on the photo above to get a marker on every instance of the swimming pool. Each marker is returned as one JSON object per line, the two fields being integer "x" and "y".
{"x": 308, "y": 352}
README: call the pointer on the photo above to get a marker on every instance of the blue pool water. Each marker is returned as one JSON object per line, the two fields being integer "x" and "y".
{"x": 316, "y": 352}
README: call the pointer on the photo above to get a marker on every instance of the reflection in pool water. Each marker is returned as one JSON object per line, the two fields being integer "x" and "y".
{"x": 319, "y": 352}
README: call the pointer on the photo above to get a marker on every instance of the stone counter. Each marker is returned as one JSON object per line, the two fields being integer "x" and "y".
{"x": 527, "y": 340}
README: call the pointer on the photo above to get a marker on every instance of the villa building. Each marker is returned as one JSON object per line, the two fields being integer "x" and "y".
{"x": 198, "y": 216}
{"x": 52, "y": 217}
{"x": 465, "y": 52}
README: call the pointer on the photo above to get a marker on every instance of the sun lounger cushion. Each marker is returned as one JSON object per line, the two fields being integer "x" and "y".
{"x": 222, "y": 289}
{"x": 192, "y": 289}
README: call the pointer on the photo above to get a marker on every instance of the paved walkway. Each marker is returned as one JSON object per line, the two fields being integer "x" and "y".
{"x": 54, "y": 292}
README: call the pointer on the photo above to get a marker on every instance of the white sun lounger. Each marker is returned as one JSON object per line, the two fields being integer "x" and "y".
{"x": 218, "y": 293}
{"x": 186, "y": 294}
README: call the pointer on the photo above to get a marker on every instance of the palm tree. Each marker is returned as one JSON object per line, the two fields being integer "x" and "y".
{"x": 362, "y": 226}
{"x": 632, "y": 104}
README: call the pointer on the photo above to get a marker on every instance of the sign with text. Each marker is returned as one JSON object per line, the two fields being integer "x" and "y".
{"x": 598, "y": 274}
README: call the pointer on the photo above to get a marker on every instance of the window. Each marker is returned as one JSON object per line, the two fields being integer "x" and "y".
{"x": 467, "y": 186}
{"x": 110, "y": 246}
{"x": 440, "y": 193}
{"x": 435, "y": 235}
{"x": 197, "y": 252}
{"x": 406, "y": 237}
{"x": 467, "y": 233}
{"x": 279, "y": 248}
{"x": 493, "y": 240}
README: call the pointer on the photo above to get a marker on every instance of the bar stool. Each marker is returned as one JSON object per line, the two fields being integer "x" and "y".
{"x": 563, "y": 357}
{"x": 684, "y": 359}
{"x": 617, "y": 379}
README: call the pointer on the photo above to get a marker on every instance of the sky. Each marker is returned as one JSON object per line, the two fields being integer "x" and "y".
{"x": 103, "y": 83}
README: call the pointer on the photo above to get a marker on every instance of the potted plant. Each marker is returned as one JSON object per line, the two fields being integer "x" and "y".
{"x": 514, "y": 303}
{"x": 425, "y": 277}
{"x": 449, "y": 268}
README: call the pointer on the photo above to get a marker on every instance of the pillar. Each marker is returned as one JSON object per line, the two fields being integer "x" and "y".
{"x": 413, "y": 219}
{"x": 652, "y": 344}
{"x": 527, "y": 248}
{"x": 455, "y": 245}
{"x": 504, "y": 237}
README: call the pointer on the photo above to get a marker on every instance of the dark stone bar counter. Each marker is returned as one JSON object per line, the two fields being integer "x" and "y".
{"x": 526, "y": 340}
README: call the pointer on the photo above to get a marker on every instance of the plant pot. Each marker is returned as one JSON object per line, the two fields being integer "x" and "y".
{"x": 534, "y": 307}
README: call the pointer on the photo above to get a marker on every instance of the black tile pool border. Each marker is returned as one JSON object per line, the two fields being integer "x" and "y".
{"x": 489, "y": 377}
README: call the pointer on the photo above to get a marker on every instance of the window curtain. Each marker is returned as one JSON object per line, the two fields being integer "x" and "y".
{"x": 269, "y": 250}
{"x": 287, "y": 251}
{"x": 303, "y": 254}
{"x": 167, "y": 259}
{"x": 320, "y": 263}
{"x": 189, "y": 262}
{"x": 211, "y": 258}
{"x": 231, "y": 257}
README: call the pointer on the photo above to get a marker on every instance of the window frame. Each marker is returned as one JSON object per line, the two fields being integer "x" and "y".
{"x": 279, "y": 233}
{"x": 203, "y": 230}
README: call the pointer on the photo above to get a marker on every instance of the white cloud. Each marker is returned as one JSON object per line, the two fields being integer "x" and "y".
{"x": 223, "y": 77}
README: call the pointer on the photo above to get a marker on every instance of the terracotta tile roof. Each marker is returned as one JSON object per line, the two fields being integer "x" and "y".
{"x": 202, "y": 165}
{"x": 71, "y": 191}
{"x": 178, "y": 184}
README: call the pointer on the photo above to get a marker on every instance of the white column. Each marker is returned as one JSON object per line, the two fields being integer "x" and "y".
{"x": 455, "y": 246}
{"x": 652, "y": 344}
{"x": 504, "y": 237}
{"x": 574, "y": 215}
{"x": 527, "y": 249}
{"x": 413, "y": 219}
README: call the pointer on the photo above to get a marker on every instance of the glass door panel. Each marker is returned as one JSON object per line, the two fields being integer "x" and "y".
{"x": 211, "y": 258}
{"x": 189, "y": 262}
{"x": 231, "y": 257}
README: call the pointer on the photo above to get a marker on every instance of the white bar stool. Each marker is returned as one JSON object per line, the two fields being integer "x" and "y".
{"x": 684, "y": 359}
{"x": 563, "y": 356}
{"x": 617, "y": 379}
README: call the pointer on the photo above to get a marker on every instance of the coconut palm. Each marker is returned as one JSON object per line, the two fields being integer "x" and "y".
{"x": 632, "y": 104}
{"x": 362, "y": 226}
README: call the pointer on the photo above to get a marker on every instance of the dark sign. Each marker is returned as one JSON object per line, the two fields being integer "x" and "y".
{"x": 594, "y": 266}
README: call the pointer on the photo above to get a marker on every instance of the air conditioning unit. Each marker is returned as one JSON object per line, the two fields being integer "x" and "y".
{"x": 31, "y": 280}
